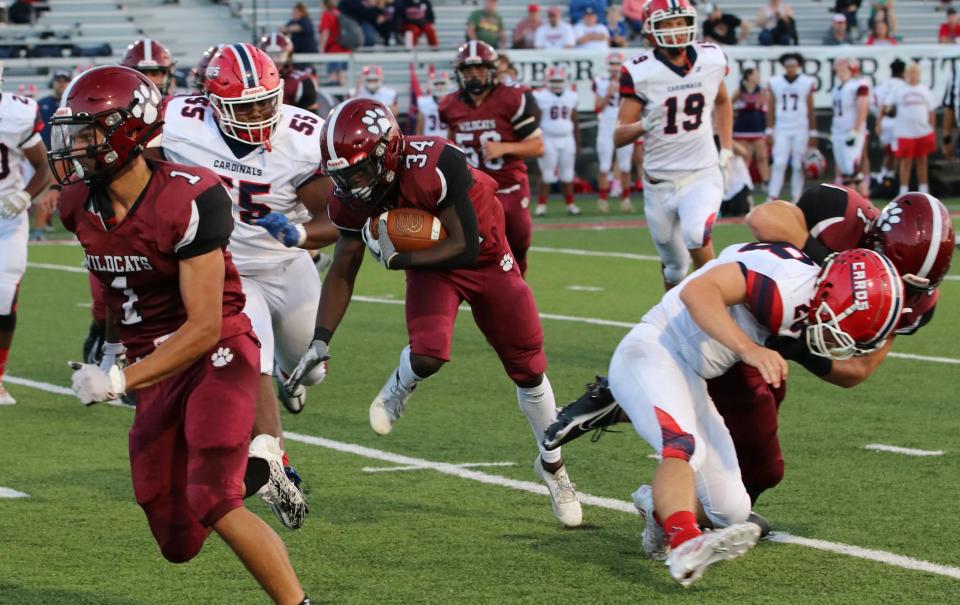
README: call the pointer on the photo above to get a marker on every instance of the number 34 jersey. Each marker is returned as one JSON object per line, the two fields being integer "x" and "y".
{"x": 682, "y": 140}
{"x": 259, "y": 182}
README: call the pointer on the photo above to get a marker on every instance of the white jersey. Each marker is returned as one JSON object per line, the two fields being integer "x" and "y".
{"x": 883, "y": 92}
{"x": 384, "y": 94}
{"x": 607, "y": 117}
{"x": 781, "y": 281}
{"x": 845, "y": 97}
{"x": 430, "y": 110}
{"x": 683, "y": 140}
{"x": 20, "y": 128}
{"x": 914, "y": 104}
{"x": 556, "y": 112}
{"x": 580, "y": 30}
{"x": 260, "y": 182}
{"x": 553, "y": 37}
{"x": 790, "y": 102}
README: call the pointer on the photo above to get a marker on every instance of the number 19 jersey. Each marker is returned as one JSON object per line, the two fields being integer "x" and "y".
{"x": 259, "y": 182}
{"x": 682, "y": 142}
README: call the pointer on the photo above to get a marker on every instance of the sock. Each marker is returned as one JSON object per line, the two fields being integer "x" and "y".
{"x": 4, "y": 355}
{"x": 256, "y": 476}
{"x": 924, "y": 188}
{"x": 408, "y": 379}
{"x": 542, "y": 200}
{"x": 568, "y": 199}
{"x": 680, "y": 527}
{"x": 604, "y": 193}
{"x": 903, "y": 189}
{"x": 286, "y": 461}
{"x": 540, "y": 408}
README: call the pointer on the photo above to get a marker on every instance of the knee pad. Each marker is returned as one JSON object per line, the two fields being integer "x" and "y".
{"x": 8, "y": 322}
{"x": 674, "y": 273}
{"x": 699, "y": 235}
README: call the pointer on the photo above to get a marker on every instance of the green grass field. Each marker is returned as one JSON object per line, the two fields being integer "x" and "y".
{"x": 434, "y": 533}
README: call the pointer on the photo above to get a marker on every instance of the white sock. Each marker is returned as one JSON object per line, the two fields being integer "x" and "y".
{"x": 924, "y": 187}
{"x": 408, "y": 379}
{"x": 540, "y": 408}
{"x": 903, "y": 189}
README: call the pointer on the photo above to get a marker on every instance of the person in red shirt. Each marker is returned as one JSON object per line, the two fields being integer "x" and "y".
{"x": 328, "y": 43}
{"x": 950, "y": 30}
{"x": 414, "y": 18}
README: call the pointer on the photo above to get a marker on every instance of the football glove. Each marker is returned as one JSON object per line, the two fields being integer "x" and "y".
{"x": 317, "y": 353}
{"x": 114, "y": 354}
{"x": 14, "y": 204}
{"x": 372, "y": 244}
{"x": 653, "y": 120}
{"x": 726, "y": 167}
{"x": 283, "y": 230}
{"x": 92, "y": 385}
{"x": 382, "y": 247}
{"x": 852, "y": 137}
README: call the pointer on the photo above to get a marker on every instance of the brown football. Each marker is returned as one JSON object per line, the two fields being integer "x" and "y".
{"x": 410, "y": 229}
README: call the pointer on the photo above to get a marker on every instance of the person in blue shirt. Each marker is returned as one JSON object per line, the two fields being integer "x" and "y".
{"x": 49, "y": 103}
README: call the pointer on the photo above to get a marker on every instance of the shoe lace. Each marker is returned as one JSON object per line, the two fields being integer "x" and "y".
{"x": 396, "y": 400}
{"x": 598, "y": 432}
{"x": 566, "y": 489}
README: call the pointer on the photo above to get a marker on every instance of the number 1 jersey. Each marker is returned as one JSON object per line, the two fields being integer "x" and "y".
{"x": 682, "y": 141}
{"x": 259, "y": 182}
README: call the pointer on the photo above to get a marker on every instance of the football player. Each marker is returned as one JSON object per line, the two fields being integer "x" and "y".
{"x": 198, "y": 73}
{"x": 20, "y": 141}
{"x": 375, "y": 168}
{"x": 428, "y": 106}
{"x": 885, "y": 122}
{"x": 371, "y": 87}
{"x": 268, "y": 156}
{"x": 155, "y": 235}
{"x": 561, "y": 138}
{"x": 606, "y": 90}
{"x": 851, "y": 104}
{"x": 791, "y": 124}
{"x": 497, "y": 126}
{"x": 299, "y": 86}
{"x": 721, "y": 315}
{"x": 671, "y": 96}
{"x": 152, "y": 59}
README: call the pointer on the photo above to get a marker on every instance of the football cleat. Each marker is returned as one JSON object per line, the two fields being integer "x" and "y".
{"x": 279, "y": 493}
{"x": 603, "y": 207}
{"x": 761, "y": 522}
{"x": 573, "y": 210}
{"x": 563, "y": 494}
{"x": 626, "y": 206}
{"x": 388, "y": 405}
{"x": 541, "y": 210}
{"x": 293, "y": 400}
{"x": 5, "y": 397}
{"x": 688, "y": 561}
{"x": 654, "y": 540}
{"x": 594, "y": 410}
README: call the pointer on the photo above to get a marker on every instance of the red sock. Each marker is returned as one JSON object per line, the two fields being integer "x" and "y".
{"x": 567, "y": 198}
{"x": 286, "y": 461}
{"x": 543, "y": 199}
{"x": 604, "y": 193}
{"x": 680, "y": 527}
{"x": 4, "y": 354}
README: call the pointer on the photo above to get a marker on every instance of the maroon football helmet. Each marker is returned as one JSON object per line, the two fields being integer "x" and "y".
{"x": 471, "y": 54}
{"x": 916, "y": 233}
{"x": 152, "y": 59}
{"x": 279, "y": 47}
{"x": 241, "y": 79}
{"x": 106, "y": 116}
{"x": 856, "y": 306}
{"x": 360, "y": 146}
{"x": 198, "y": 73}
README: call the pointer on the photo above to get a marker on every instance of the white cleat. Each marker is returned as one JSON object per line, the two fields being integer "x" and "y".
{"x": 279, "y": 493}
{"x": 388, "y": 405}
{"x": 626, "y": 206}
{"x": 688, "y": 561}
{"x": 541, "y": 210}
{"x": 563, "y": 494}
{"x": 654, "y": 540}
{"x": 603, "y": 207}
{"x": 573, "y": 210}
{"x": 5, "y": 397}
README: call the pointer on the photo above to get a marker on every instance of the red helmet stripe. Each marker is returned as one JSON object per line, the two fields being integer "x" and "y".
{"x": 473, "y": 49}
{"x": 147, "y": 50}
{"x": 935, "y": 237}
{"x": 332, "y": 129}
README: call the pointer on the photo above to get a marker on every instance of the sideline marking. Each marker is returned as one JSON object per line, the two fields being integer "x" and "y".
{"x": 6, "y": 492}
{"x": 415, "y": 467}
{"x": 879, "y": 556}
{"x": 576, "y": 288}
{"x": 908, "y": 451}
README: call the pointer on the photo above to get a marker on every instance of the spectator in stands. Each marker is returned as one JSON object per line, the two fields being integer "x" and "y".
{"x": 414, "y": 18}
{"x": 837, "y": 34}
{"x": 48, "y": 104}
{"x": 880, "y": 35}
{"x": 555, "y": 33}
{"x": 330, "y": 42}
{"x": 721, "y": 27}
{"x": 914, "y": 122}
{"x": 883, "y": 10}
{"x": 368, "y": 14}
{"x": 633, "y": 13}
{"x": 777, "y": 27}
{"x": 300, "y": 30}
{"x": 848, "y": 8}
{"x": 750, "y": 121}
{"x": 578, "y": 8}
{"x": 950, "y": 30}
{"x": 486, "y": 25}
{"x": 589, "y": 33}
{"x": 617, "y": 26}
{"x": 525, "y": 32}
{"x": 21, "y": 13}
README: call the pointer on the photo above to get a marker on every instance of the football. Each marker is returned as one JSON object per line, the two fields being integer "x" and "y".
{"x": 410, "y": 229}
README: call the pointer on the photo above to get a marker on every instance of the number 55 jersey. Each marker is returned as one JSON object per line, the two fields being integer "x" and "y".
{"x": 261, "y": 179}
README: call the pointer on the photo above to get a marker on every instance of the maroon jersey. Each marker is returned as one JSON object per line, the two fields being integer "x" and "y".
{"x": 429, "y": 179}
{"x": 184, "y": 212}
{"x": 507, "y": 114}
{"x": 299, "y": 89}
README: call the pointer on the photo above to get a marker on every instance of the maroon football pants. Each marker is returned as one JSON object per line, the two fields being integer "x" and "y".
{"x": 518, "y": 223}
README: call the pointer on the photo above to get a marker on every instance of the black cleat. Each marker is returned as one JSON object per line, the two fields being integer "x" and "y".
{"x": 760, "y": 522}
{"x": 594, "y": 410}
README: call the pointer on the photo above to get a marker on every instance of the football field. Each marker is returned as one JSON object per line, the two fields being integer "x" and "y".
{"x": 447, "y": 509}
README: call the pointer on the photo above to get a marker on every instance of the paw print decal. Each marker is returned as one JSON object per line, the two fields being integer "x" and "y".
{"x": 890, "y": 216}
{"x": 222, "y": 357}
{"x": 506, "y": 263}
{"x": 376, "y": 121}
{"x": 147, "y": 104}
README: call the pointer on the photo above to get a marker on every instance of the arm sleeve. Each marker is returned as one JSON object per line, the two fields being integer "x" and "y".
{"x": 627, "y": 87}
{"x": 527, "y": 119}
{"x": 211, "y": 222}
{"x": 822, "y": 206}
{"x": 455, "y": 176}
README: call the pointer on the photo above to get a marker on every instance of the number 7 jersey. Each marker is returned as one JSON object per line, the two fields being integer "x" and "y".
{"x": 259, "y": 182}
{"x": 682, "y": 142}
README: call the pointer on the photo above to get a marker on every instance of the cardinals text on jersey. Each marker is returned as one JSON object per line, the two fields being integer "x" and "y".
{"x": 683, "y": 140}
{"x": 430, "y": 110}
{"x": 556, "y": 112}
{"x": 260, "y": 182}
{"x": 790, "y": 102}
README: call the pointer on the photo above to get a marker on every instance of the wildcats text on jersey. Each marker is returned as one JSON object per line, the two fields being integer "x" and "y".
{"x": 116, "y": 264}
{"x": 472, "y": 125}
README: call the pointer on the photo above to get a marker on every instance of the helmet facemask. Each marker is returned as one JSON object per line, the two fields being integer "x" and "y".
{"x": 476, "y": 84}
{"x": 229, "y": 111}
{"x": 678, "y": 36}
{"x": 367, "y": 180}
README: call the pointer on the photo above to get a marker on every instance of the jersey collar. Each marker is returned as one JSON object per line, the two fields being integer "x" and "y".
{"x": 680, "y": 71}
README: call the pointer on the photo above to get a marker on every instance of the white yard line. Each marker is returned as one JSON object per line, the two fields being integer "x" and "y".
{"x": 67, "y": 268}
{"x": 6, "y": 492}
{"x": 907, "y": 451}
{"x": 576, "y": 288}
{"x": 378, "y": 469}
{"x": 597, "y": 253}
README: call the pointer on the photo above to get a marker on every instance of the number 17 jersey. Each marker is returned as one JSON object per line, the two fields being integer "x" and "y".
{"x": 259, "y": 182}
{"x": 682, "y": 141}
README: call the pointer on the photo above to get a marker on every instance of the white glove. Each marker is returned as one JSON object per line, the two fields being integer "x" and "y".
{"x": 726, "y": 167}
{"x": 14, "y": 204}
{"x": 317, "y": 353}
{"x": 92, "y": 385}
{"x": 653, "y": 120}
{"x": 372, "y": 244}
{"x": 852, "y": 137}
{"x": 114, "y": 354}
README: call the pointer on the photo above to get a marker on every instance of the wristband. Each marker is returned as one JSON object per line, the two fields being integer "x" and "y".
{"x": 56, "y": 187}
{"x": 321, "y": 333}
{"x": 301, "y": 234}
{"x": 113, "y": 348}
